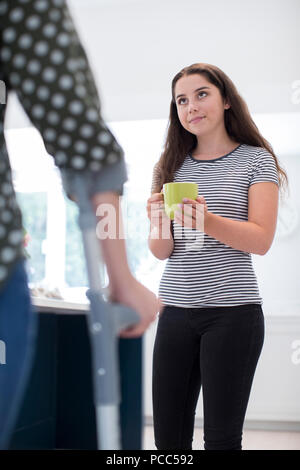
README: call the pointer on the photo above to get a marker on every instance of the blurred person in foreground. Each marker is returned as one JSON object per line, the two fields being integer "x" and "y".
{"x": 43, "y": 61}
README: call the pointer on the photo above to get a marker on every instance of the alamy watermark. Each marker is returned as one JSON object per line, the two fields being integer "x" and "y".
{"x": 2, "y": 352}
{"x": 2, "y": 92}
{"x": 296, "y": 92}
{"x": 296, "y": 353}
{"x": 192, "y": 230}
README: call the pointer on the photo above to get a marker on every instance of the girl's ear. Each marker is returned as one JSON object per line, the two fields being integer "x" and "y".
{"x": 226, "y": 105}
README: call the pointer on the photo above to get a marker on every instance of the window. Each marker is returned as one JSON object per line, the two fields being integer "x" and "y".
{"x": 56, "y": 257}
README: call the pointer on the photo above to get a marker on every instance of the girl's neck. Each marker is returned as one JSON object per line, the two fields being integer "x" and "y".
{"x": 214, "y": 149}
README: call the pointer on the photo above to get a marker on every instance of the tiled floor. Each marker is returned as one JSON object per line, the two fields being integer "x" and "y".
{"x": 252, "y": 440}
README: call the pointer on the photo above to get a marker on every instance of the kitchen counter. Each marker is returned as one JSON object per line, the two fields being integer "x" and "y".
{"x": 49, "y": 305}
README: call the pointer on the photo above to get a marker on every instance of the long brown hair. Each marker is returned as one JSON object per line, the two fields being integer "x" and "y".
{"x": 238, "y": 123}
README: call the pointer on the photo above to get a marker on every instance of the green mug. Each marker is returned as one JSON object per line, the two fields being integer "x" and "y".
{"x": 175, "y": 192}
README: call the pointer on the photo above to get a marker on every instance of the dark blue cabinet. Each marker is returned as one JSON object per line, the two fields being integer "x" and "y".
{"x": 58, "y": 410}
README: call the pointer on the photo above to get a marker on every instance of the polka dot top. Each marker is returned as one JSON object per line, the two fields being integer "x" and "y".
{"x": 43, "y": 61}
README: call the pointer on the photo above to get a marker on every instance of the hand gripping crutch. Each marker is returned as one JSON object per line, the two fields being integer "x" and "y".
{"x": 105, "y": 321}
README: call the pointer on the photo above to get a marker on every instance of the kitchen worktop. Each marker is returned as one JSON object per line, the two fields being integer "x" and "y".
{"x": 60, "y": 305}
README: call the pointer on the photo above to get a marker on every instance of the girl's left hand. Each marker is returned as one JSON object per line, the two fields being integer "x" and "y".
{"x": 192, "y": 213}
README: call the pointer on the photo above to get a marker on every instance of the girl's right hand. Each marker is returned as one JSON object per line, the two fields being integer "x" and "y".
{"x": 156, "y": 210}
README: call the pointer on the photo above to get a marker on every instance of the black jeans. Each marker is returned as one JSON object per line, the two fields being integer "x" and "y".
{"x": 216, "y": 348}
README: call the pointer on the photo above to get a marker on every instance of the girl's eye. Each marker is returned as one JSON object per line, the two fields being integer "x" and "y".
{"x": 200, "y": 93}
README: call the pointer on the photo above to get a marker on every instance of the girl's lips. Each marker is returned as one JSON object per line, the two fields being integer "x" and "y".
{"x": 196, "y": 120}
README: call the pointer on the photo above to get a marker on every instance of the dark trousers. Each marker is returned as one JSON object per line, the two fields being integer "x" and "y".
{"x": 18, "y": 326}
{"x": 216, "y": 348}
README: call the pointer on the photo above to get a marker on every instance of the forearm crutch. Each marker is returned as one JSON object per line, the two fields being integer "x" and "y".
{"x": 105, "y": 321}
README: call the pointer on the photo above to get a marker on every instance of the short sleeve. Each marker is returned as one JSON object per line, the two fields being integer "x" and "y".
{"x": 264, "y": 168}
{"x": 155, "y": 184}
{"x": 110, "y": 178}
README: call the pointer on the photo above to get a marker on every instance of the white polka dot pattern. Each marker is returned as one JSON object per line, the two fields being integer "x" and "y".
{"x": 43, "y": 60}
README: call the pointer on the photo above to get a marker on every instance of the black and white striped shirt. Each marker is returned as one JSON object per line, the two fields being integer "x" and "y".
{"x": 215, "y": 274}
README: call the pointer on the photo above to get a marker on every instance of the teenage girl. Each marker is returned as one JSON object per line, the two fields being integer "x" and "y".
{"x": 211, "y": 329}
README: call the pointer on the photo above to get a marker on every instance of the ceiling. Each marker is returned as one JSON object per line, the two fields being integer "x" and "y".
{"x": 135, "y": 47}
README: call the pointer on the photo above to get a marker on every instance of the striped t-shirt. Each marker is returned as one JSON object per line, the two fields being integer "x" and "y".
{"x": 214, "y": 274}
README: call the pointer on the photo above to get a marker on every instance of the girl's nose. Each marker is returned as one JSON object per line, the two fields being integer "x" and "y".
{"x": 193, "y": 106}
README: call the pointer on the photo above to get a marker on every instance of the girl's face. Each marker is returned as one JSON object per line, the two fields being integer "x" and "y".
{"x": 196, "y": 97}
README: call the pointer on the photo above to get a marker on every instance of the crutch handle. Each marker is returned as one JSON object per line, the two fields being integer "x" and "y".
{"x": 124, "y": 317}
{"x": 115, "y": 316}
